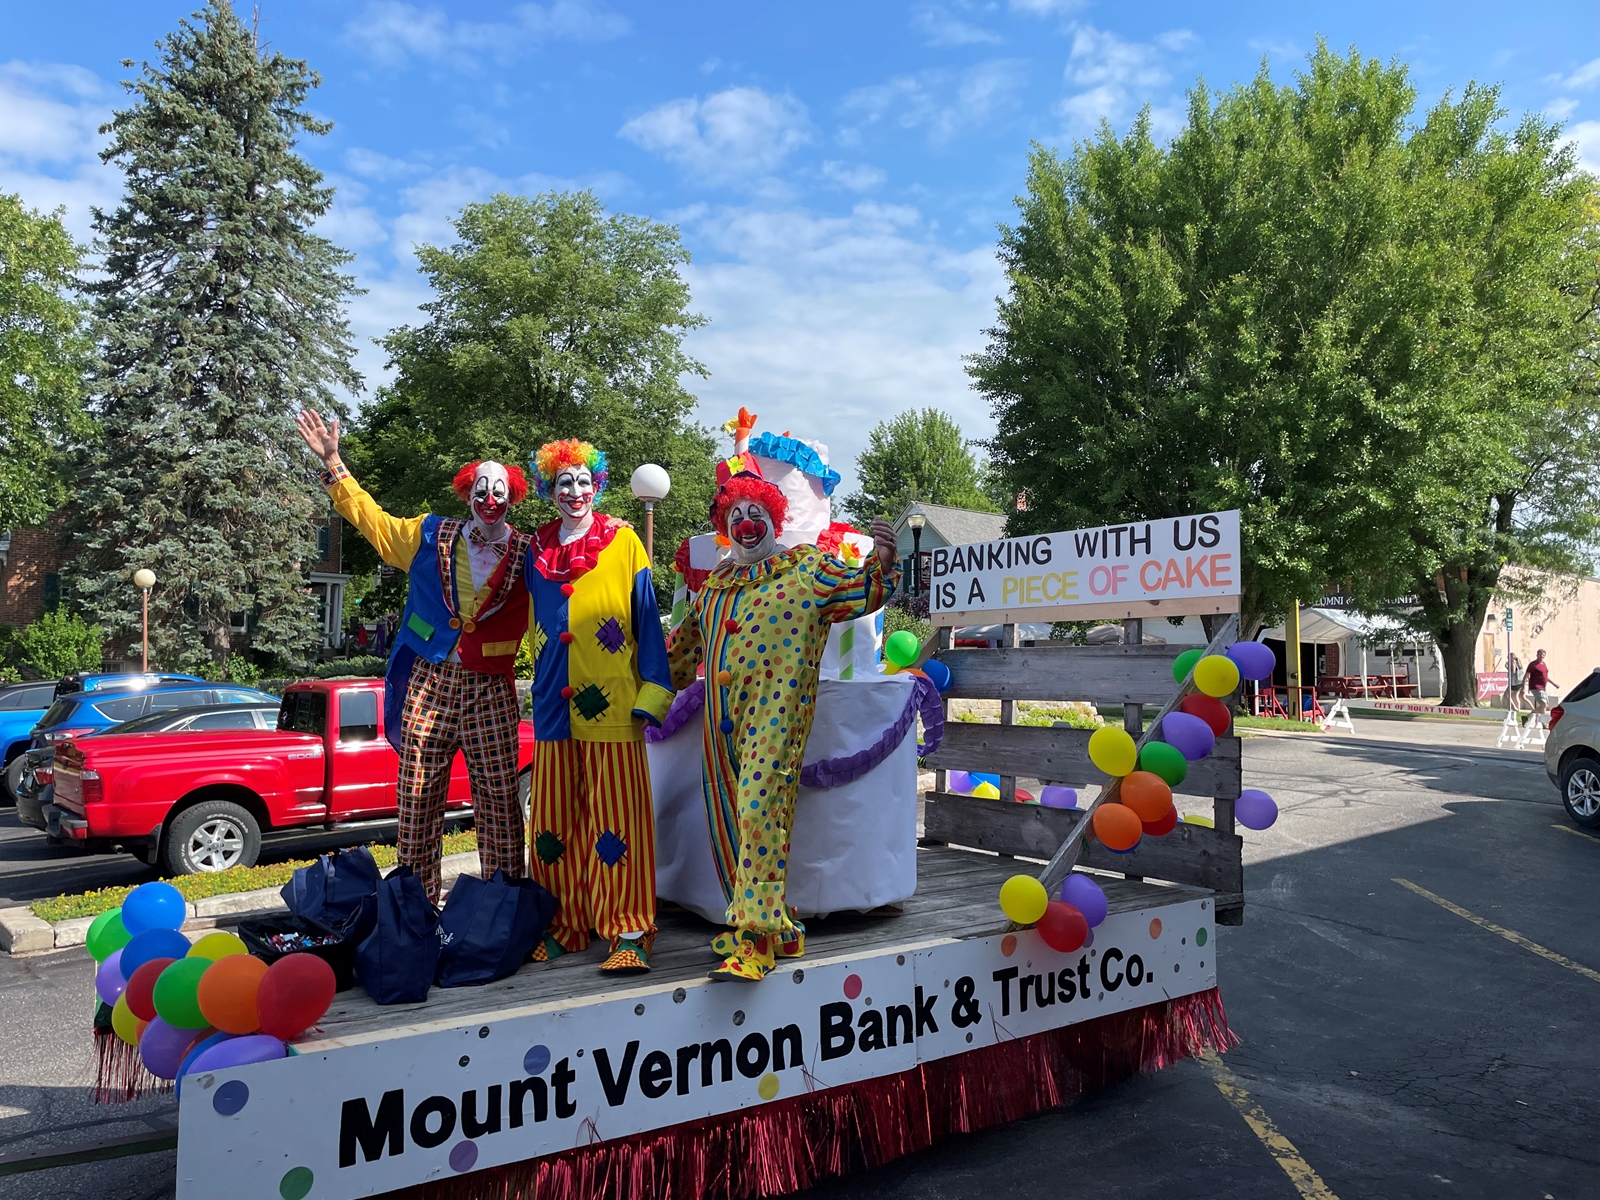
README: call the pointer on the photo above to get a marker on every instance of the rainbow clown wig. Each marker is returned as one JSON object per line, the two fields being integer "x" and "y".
{"x": 550, "y": 459}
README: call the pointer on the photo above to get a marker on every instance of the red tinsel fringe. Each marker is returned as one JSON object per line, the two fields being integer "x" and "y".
{"x": 794, "y": 1144}
{"x": 120, "y": 1074}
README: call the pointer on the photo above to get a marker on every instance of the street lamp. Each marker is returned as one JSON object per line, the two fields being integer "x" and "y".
{"x": 144, "y": 579}
{"x": 916, "y": 519}
{"x": 650, "y": 483}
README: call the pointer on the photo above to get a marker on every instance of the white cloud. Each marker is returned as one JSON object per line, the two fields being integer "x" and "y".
{"x": 1561, "y": 108}
{"x": 1046, "y": 8}
{"x": 1116, "y": 77}
{"x": 739, "y": 134}
{"x": 940, "y": 28}
{"x": 944, "y": 103}
{"x": 1585, "y": 137}
{"x": 369, "y": 164}
{"x": 1586, "y": 76}
{"x": 391, "y": 33}
{"x": 857, "y": 177}
{"x": 50, "y": 115}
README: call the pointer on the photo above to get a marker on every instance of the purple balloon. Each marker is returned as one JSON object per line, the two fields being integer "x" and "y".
{"x": 959, "y": 782}
{"x": 238, "y": 1052}
{"x": 163, "y": 1046}
{"x": 1055, "y": 796}
{"x": 1089, "y": 941}
{"x": 1192, "y": 736}
{"x": 1084, "y": 894}
{"x": 1254, "y": 809}
{"x": 195, "y": 1051}
{"x": 108, "y": 980}
{"x": 1255, "y": 660}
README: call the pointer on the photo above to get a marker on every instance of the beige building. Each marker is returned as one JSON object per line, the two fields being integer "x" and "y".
{"x": 1563, "y": 620}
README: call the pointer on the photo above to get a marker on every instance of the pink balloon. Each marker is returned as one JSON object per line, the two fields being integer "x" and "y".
{"x": 108, "y": 980}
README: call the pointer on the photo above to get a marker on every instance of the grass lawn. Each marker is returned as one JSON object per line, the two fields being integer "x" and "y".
{"x": 1276, "y": 723}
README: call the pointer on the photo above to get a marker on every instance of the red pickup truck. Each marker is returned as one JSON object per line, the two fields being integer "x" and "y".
{"x": 193, "y": 802}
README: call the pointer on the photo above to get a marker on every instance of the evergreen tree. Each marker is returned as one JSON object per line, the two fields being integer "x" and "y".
{"x": 219, "y": 313}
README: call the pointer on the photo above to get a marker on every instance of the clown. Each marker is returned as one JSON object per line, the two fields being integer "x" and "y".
{"x": 600, "y": 674}
{"x": 449, "y": 685}
{"x": 760, "y": 623}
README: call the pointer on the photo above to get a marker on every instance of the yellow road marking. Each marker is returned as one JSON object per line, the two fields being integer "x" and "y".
{"x": 1588, "y": 837}
{"x": 1509, "y": 934}
{"x": 1306, "y": 1181}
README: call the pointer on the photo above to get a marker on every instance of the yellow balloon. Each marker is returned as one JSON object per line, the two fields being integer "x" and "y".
{"x": 1194, "y": 819}
{"x": 218, "y": 945}
{"x": 1216, "y": 675}
{"x": 123, "y": 1023}
{"x": 1112, "y": 750}
{"x": 1023, "y": 899}
{"x": 987, "y": 790}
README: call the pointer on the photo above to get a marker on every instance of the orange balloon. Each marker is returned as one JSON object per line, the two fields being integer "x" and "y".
{"x": 1147, "y": 794}
{"x": 227, "y": 993}
{"x": 1116, "y": 825}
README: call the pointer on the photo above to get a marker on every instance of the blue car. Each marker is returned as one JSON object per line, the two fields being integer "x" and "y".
{"x": 21, "y": 706}
{"x": 83, "y": 712}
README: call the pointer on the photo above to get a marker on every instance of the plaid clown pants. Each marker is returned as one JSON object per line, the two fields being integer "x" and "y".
{"x": 594, "y": 837}
{"x": 450, "y": 708}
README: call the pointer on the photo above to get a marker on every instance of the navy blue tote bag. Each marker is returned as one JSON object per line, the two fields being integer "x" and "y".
{"x": 489, "y": 927}
{"x": 337, "y": 891}
{"x": 397, "y": 960}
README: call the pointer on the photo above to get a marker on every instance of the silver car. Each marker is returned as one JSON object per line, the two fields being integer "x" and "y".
{"x": 1572, "y": 753}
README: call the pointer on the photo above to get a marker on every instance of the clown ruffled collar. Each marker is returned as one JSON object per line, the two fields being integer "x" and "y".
{"x": 729, "y": 573}
{"x": 560, "y": 563}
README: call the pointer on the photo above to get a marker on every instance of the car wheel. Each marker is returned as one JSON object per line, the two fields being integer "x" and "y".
{"x": 525, "y": 794}
{"x": 1580, "y": 791}
{"x": 212, "y": 836}
{"x": 14, "y": 770}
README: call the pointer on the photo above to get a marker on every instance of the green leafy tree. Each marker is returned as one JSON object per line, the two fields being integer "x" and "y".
{"x": 917, "y": 455}
{"x": 550, "y": 319}
{"x": 43, "y": 356}
{"x": 59, "y": 643}
{"x": 219, "y": 313}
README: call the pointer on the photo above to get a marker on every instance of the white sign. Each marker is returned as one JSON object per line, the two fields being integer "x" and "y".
{"x": 1109, "y": 566}
{"x": 356, "y": 1117}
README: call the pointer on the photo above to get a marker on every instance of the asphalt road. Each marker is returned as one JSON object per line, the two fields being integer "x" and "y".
{"x": 1391, "y": 1046}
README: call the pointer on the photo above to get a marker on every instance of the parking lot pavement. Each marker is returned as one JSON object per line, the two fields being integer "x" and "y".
{"x": 1399, "y": 1042}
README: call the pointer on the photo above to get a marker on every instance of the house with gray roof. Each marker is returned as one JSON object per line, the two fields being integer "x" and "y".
{"x": 944, "y": 526}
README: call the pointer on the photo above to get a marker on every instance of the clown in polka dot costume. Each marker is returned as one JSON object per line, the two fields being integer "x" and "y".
{"x": 760, "y": 624}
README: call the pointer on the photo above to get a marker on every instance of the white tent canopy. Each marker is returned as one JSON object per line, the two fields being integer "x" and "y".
{"x": 1359, "y": 635}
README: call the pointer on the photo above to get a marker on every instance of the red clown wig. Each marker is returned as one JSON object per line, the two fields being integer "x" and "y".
{"x": 749, "y": 487}
{"x": 516, "y": 482}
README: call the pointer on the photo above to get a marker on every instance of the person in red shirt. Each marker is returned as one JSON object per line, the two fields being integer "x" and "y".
{"x": 1538, "y": 680}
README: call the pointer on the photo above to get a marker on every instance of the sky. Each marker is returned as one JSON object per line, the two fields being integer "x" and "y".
{"x": 838, "y": 171}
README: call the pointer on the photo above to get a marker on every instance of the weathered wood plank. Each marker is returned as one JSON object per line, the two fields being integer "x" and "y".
{"x": 1098, "y": 674}
{"x": 1190, "y": 854}
{"x": 1063, "y": 755}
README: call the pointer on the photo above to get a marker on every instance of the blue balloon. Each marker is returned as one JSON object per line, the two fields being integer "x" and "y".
{"x": 150, "y": 945}
{"x": 938, "y": 674}
{"x": 977, "y": 779}
{"x": 153, "y": 906}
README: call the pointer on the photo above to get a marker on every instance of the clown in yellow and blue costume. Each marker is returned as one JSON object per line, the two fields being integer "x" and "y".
{"x": 760, "y": 623}
{"x": 600, "y": 675}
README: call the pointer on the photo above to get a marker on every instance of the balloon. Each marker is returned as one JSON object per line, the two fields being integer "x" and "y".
{"x": 1255, "y": 660}
{"x": 1164, "y": 826}
{"x": 1209, "y": 709}
{"x": 1023, "y": 899}
{"x": 294, "y": 993}
{"x": 978, "y": 778}
{"x": 1055, "y": 796}
{"x": 1148, "y": 795}
{"x": 1024, "y": 796}
{"x": 1197, "y": 819}
{"x": 902, "y": 648}
{"x": 239, "y": 1052}
{"x": 1063, "y": 927}
{"x": 1084, "y": 894}
{"x": 938, "y": 673}
{"x": 1185, "y": 663}
{"x": 155, "y": 905}
{"x": 227, "y": 993}
{"x": 140, "y": 992}
{"x": 1191, "y": 735}
{"x": 1112, "y": 750}
{"x": 174, "y": 993}
{"x": 123, "y": 1023}
{"x": 195, "y": 1050}
{"x": 218, "y": 945}
{"x": 1216, "y": 675}
{"x": 152, "y": 944}
{"x": 163, "y": 1046}
{"x": 1254, "y": 809}
{"x": 959, "y": 782}
{"x": 108, "y": 980}
{"x": 1164, "y": 760}
{"x": 986, "y": 791}
{"x": 1118, "y": 827}
{"x": 106, "y": 935}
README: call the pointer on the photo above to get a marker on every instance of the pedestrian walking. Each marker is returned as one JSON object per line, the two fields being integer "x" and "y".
{"x": 1539, "y": 682}
{"x": 1516, "y": 684}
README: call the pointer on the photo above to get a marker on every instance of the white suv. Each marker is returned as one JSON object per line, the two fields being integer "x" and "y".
{"x": 1572, "y": 754}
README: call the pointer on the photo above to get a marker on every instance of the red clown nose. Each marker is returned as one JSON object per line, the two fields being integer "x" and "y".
{"x": 748, "y": 528}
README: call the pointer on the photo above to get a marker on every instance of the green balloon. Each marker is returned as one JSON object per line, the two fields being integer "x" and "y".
{"x": 1166, "y": 761}
{"x": 1185, "y": 663}
{"x": 106, "y": 935}
{"x": 902, "y": 648}
{"x": 177, "y": 997}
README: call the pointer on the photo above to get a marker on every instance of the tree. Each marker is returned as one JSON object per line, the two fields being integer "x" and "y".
{"x": 59, "y": 643}
{"x": 916, "y": 456}
{"x": 550, "y": 319}
{"x": 219, "y": 313}
{"x": 43, "y": 356}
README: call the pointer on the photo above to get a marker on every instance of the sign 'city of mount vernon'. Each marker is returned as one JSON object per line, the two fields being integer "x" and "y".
{"x": 1172, "y": 567}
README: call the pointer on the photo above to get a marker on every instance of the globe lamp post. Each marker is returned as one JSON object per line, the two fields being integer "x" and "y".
{"x": 650, "y": 483}
{"x": 144, "y": 579}
{"x": 916, "y": 519}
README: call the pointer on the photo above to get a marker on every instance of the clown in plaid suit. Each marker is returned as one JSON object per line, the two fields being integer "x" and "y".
{"x": 449, "y": 685}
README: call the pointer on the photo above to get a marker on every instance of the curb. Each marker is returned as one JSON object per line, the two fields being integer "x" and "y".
{"x": 23, "y": 933}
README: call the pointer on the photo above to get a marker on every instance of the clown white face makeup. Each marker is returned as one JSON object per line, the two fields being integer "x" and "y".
{"x": 574, "y": 497}
{"x": 491, "y": 497}
{"x": 750, "y": 532}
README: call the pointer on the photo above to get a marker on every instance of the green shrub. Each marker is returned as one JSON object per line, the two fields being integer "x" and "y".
{"x": 60, "y": 643}
{"x": 365, "y": 665}
{"x": 896, "y": 618}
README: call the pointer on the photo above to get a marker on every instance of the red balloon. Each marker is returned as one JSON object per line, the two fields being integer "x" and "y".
{"x": 1209, "y": 709}
{"x": 1164, "y": 826}
{"x": 294, "y": 993}
{"x": 1063, "y": 927}
{"x": 141, "y": 988}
